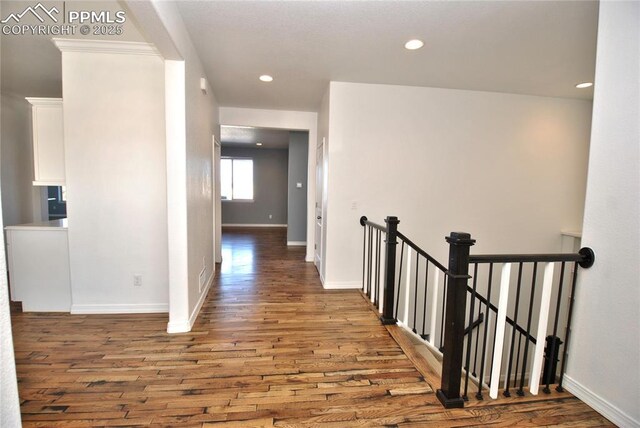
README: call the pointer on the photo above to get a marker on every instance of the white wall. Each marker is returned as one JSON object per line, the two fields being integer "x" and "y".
{"x": 604, "y": 353}
{"x": 282, "y": 119}
{"x": 9, "y": 401}
{"x": 192, "y": 121}
{"x": 116, "y": 181}
{"x": 509, "y": 169}
{"x": 22, "y": 202}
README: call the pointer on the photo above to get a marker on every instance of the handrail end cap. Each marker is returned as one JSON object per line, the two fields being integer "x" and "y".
{"x": 588, "y": 257}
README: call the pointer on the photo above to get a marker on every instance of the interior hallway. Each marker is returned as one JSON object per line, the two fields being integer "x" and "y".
{"x": 270, "y": 348}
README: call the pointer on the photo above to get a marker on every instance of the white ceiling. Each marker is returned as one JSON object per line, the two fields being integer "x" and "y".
{"x": 526, "y": 47}
{"x": 529, "y": 47}
{"x": 244, "y": 136}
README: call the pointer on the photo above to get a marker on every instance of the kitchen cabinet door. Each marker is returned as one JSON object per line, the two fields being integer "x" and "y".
{"x": 48, "y": 141}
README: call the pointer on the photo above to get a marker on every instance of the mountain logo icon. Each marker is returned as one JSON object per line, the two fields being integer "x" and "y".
{"x": 38, "y": 11}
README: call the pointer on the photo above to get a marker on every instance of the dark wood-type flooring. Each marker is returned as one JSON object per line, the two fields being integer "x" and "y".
{"x": 270, "y": 348}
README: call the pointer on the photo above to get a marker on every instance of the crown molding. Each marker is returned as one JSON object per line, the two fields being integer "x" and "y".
{"x": 105, "y": 46}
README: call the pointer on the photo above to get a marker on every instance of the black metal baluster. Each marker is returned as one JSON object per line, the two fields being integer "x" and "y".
{"x": 399, "y": 281}
{"x": 415, "y": 294}
{"x": 506, "y": 392}
{"x": 424, "y": 306}
{"x": 486, "y": 330}
{"x": 465, "y": 397}
{"x": 520, "y": 391}
{"x": 568, "y": 330}
{"x": 475, "y": 355}
{"x": 515, "y": 372}
{"x": 550, "y": 370}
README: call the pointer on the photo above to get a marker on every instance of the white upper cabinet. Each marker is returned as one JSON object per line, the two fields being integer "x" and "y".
{"x": 48, "y": 141}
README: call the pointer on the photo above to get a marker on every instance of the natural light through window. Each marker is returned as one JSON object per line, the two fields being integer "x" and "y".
{"x": 236, "y": 179}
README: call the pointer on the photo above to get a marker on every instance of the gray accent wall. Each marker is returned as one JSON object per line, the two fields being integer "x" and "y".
{"x": 269, "y": 188}
{"x": 297, "y": 209}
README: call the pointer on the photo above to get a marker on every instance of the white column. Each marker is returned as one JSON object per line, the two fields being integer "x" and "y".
{"x": 534, "y": 381}
{"x": 500, "y": 325}
{"x": 177, "y": 193}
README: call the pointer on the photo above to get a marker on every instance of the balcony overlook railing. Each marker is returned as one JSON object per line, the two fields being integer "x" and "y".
{"x": 501, "y": 332}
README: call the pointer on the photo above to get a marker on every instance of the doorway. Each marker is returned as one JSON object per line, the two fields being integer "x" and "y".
{"x": 264, "y": 180}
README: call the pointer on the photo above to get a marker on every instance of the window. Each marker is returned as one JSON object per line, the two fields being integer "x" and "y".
{"x": 57, "y": 202}
{"x": 236, "y": 179}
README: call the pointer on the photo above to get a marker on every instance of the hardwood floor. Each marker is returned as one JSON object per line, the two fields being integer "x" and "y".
{"x": 270, "y": 348}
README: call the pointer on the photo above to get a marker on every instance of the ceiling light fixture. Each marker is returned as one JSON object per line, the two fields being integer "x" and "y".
{"x": 414, "y": 44}
{"x": 258, "y": 144}
{"x": 266, "y": 78}
{"x": 584, "y": 85}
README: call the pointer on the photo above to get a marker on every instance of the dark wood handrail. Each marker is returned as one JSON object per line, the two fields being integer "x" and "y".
{"x": 422, "y": 252}
{"x": 364, "y": 221}
{"x": 585, "y": 257}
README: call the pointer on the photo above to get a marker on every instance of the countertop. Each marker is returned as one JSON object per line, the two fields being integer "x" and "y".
{"x": 41, "y": 225}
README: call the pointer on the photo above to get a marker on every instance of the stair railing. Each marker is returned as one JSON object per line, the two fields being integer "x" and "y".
{"x": 437, "y": 305}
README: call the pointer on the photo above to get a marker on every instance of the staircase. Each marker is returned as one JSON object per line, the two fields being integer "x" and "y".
{"x": 487, "y": 326}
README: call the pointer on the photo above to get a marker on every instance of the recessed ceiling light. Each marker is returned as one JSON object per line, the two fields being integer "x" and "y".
{"x": 414, "y": 44}
{"x": 258, "y": 144}
{"x": 584, "y": 85}
{"x": 266, "y": 78}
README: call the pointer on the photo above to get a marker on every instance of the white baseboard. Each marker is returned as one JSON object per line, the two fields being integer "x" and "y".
{"x": 124, "y": 308}
{"x": 349, "y": 285}
{"x": 310, "y": 258}
{"x": 600, "y": 405}
{"x": 431, "y": 347}
{"x": 252, "y": 225}
{"x": 203, "y": 297}
{"x": 184, "y": 325}
{"x": 297, "y": 243}
{"x": 178, "y": 327}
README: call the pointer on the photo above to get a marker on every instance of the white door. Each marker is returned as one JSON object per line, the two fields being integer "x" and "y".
{"x": 319, "y": 192}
